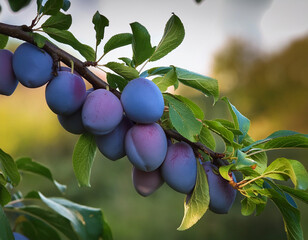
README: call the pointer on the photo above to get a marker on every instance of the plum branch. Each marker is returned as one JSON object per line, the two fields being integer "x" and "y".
{"x": 24, "y": 33}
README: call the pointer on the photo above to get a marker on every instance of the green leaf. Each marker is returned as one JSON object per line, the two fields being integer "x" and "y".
{"x": 243, "y": 160}
{"x": 39, "y": 39}
{"x": 196, "y": 206}
{"x": 169, "y": 79}
{"x": 207, "y": 138}
{"x": 173, "y": 36}
{"x": 91, "y": 217}
{"x": 5, "y": 228}
{"x": 52, "y": 7}
{"x": 229, "y": 125}
{"x": 83, "y": 157}
{"x": 206, "y": 85}
{"x": 182, "y": 118}
{"x": 219, "y": 129}
{"x": 193, "y": 106}
{"x": 9, "y": 168}
{"x": 141, "y": 43}
{"x": 16, "y": 5}
{"x": 100, "y": 22}
{"x": 248, "y": 207}
{"x": 59, "y": 21}
{"x": 28, "y": 165}
{"x": 157, "y": 71}
{"x": 224, "y": 171}
{"x": 240, "y": 121}
{"x": 127, "y": 61}
{"x": 118, "y": 40}
{"x": 299, "y": 194}
{"x": 116, "y": 81}
{"x": 283, "y": 169}
{"x": 3, "y": 40}
{"x": 67, "y": 37}
{"x": 106, "y": 234}
{"x": 66, "y": 5}
{"x": 5, "y": 196}
{"x": 127, "y": 72}
{"x": 2, "y": 179}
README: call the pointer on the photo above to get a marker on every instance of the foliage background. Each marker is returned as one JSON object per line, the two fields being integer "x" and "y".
{"x": 269, "y": 87}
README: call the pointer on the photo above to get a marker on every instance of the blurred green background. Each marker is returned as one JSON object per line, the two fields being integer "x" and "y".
{"x": 270, "y": 88}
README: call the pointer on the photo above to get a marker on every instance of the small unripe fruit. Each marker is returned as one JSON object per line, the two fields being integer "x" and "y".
{"x": 146, "y": 183}
{"x": 101, "y": 112}
{"x": 146, "y": 146}
{"x": 142, "y": 101}
{"x": 32, "y": 65}
{"x": 8, "y": 81}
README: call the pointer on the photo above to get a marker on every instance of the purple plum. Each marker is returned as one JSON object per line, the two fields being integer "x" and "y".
{"x": 8, "y": 81}
{"x": 146, "y": 146}
{"x": 179, "y": 170}
{"x": 142, "y": 101}
{"x": 146, "y": 183}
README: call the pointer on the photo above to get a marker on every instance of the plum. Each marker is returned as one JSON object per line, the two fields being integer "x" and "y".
{"x": 222, "y": 194}
{"x": 146, "y": 183}
{"x": 179, "y": 169}
{"x": 101, "y": 112}
{"x": 65, "y": 93}
{"x": 111, "y": 145}
{"x": 8, "y": 81}
{"x": 146, "y": 146}
{"x": 32, "y": 65}
{"x": 73, "y": 122}
{"x": 18, "y": 236}
{"x": 142, "y": 101}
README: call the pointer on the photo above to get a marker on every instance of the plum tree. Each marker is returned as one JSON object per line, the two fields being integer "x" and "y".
{"x": 222, "y": 194}
{"x": 146, "y": 183}
{"x": 8, "y": 81}
{"x": 101, "y": 112}
{"x": 112, "y": 145}
{"x": 19, "y": 236}
{"x": 146, "y": 146}
{"x": 142, "y": 101}
{"x": 32, "y": 65}
{"x": 179, "y": 170}
{"x": 65, "y": 93}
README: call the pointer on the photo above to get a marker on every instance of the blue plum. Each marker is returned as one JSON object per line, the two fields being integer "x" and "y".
{"x": 112, "y": 145}
{"x": 179, "y": 170}
{"x": 8, "y": 81}
{"x": 101, "y": 112}
{"x": 65, "y": 93}
{"x": 32, "y": 65}
{"x": 222, "y": 194}
{"x": 146, "y": 146}
{"x": 142, "y": 101}
{"x": 18, "y": 236}
{"x": 146, "y": 183}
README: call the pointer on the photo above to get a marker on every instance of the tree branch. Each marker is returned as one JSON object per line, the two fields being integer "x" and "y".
{"x": 21, "y": 32}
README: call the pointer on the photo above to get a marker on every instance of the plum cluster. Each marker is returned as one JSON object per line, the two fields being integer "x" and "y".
{"x": 122, "y": 127}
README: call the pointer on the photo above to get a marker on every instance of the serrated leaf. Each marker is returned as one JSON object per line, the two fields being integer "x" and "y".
{"x": 118, "y": 40}
{"x": 67, "y": 37}
{"x": 193, "y": 106}
{"x": 173, "y": 36}
{"x": 59, "y": 21}
{"x": 9, "y": 168}
{"x": 2, "y": 179}
{"x": 157, "y": 71}
{"x": 5, "y": 196}
{"x": 283, "y": 169}
{"x": 28, "y": 165}
{"x": 100, "y": 22}
{"x": 248, "y": 207}
{"x": 16, "y": 5}
{"x": 127, "y": 61}
{"x": 206, "y": 85}
{"x": 5, "y": 228}
{"x": 116, "y": 81}
{"x": 169, "y": 79}
{"x": 207, "y": 138}
{"x": 243, "y": 160}
{"x": 182, "y": 118}
{"x": 240, "y": 121}
{"x": 219, "y": 129}
{"x": 196, "y": 206}
{"x": 83, "y": 157}
{"x": 224, "y": 171}
{"x": 3, "y": 40}
{"x": 52, "y": 7}
{"x": 299, "y": 194}
{"x": 106, "y": 234}
{"x": 127, "y": 72}
{"x": 141, "y": 43}
{"x": 229, "y": 125}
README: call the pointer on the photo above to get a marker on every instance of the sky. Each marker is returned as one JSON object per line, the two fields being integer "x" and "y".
{"x": 268, "y": 24}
